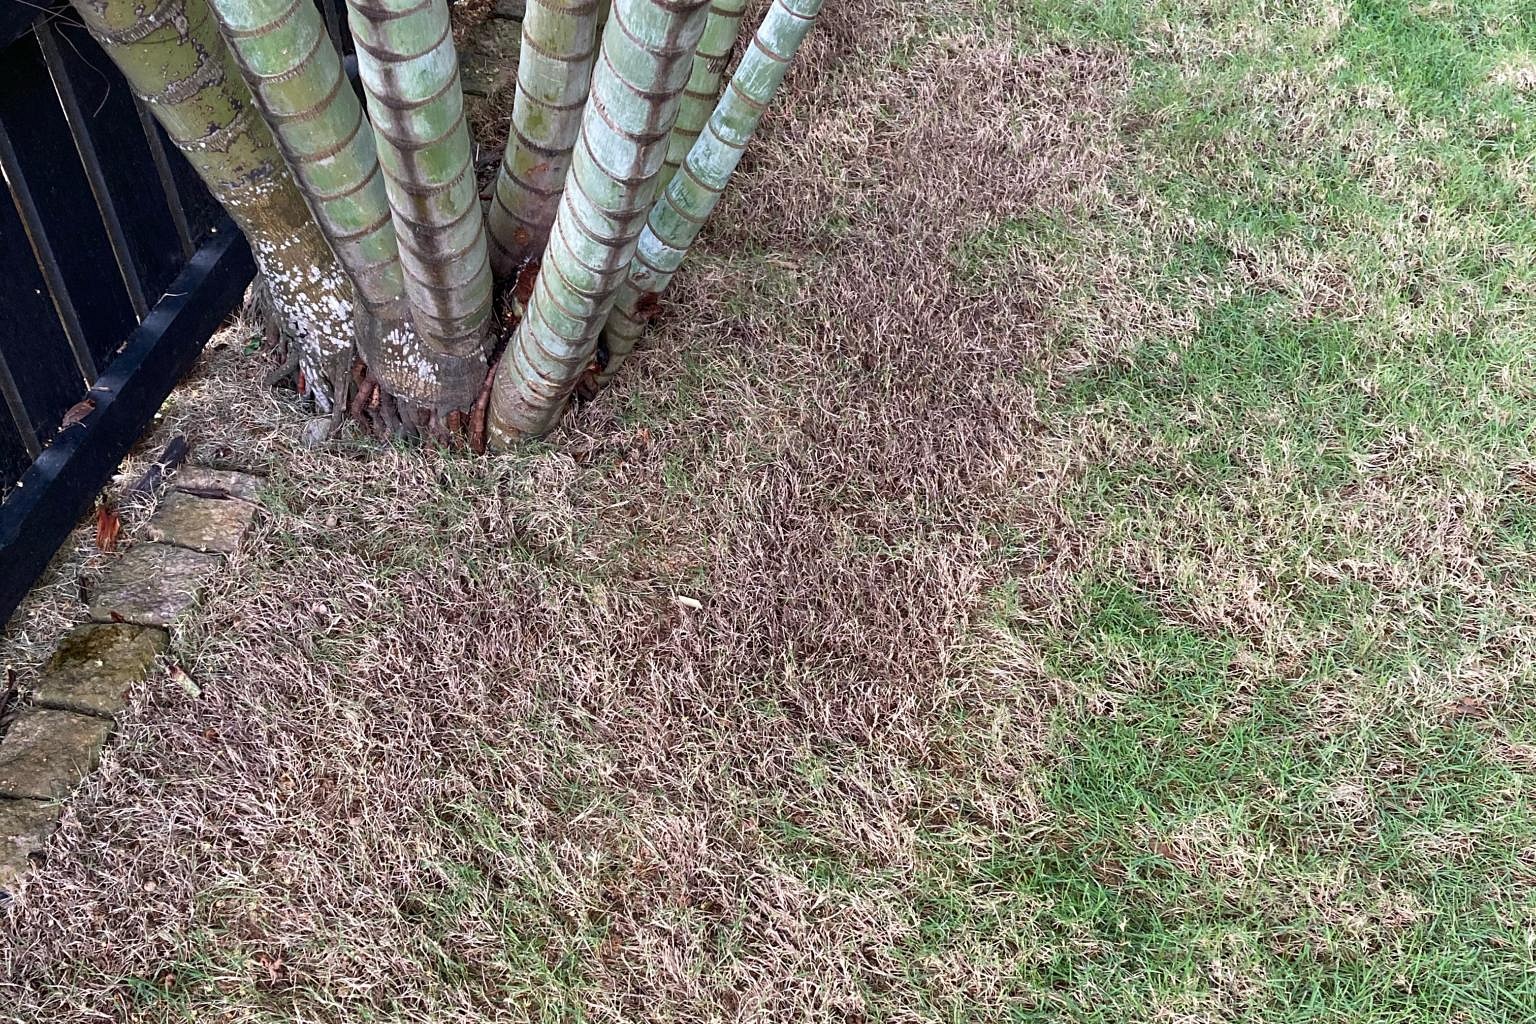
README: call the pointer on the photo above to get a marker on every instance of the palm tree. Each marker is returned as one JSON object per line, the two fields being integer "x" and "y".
{"x": 691, "y": 196}
{"x": 720, "y": 31}
{"x": 379, "y": 269}
{"x": 410, "y": 76}
{"x": 554, "y": 76}
{"x": 175, "y": 60}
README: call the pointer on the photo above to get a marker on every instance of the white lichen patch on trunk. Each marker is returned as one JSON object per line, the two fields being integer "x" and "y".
{"x": 401, "y": 360}
{"x": 314, "y": 309}
{"x": 415, "y": 360}
{"x": 312, "y": 303}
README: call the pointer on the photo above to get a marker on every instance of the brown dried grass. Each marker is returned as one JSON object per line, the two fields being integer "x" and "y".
{"x": 522, "y": 737}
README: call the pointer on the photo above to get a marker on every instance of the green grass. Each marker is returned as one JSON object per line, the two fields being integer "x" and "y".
{"x": 1303, "y": 812}
{"x": 1276, "y": 873}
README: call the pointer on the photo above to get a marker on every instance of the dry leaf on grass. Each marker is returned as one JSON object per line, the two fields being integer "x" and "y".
{"x": 179, "y": 676}
{"x": 108, "y": 525}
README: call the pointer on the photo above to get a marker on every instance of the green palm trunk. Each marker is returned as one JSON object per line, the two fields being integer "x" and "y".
{"x": 410, "y": 76}
{"x": 645, "y": 60}
{"x": 172, "y": 55}
{"x": 720, "y": 32}
{"x": 691, "y": 197}
{"x": 296, "y": 76}
{"x": 554, "y": 74}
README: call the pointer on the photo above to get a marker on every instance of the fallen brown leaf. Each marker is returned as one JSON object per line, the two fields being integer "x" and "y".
{"x": 77, "y": 412}
{"x": 1468, "y": 707}
{"x": 108, "y": 525}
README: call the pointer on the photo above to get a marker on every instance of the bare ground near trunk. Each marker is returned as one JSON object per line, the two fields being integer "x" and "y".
{"x": 534, "y": 736}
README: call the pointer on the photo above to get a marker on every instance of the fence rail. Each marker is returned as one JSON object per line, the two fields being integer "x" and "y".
{"x": 115, "y": 267}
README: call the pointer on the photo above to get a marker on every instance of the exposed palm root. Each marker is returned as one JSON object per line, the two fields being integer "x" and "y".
{"x": 298, "y": 365}
{"x": 257, "y": 308}
{"x": 592, "y": 379}
{"x": 452, "y": 415}
{"x": 481, "y": 410}
{"x": 392, "y": 417}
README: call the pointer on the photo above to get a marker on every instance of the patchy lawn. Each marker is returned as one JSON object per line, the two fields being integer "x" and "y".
{"x": 1067, "y": 555}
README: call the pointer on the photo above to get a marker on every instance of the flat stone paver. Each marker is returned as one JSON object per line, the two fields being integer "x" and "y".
{"x": 152, "y": 584}
{"x": 218, "y": 483}
{"x": 202, "y": 524}
{"x": 45, "y": 753}
{"x": 96, "y": 664}
{"x": 25, "y": 826}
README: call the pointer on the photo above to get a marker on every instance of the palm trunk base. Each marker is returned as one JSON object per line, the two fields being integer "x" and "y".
{"x": 318, "y": 372}
{"x": 407, "y": 368}
{"x": 387, "y": 415}
{"x": 384, "y": 379}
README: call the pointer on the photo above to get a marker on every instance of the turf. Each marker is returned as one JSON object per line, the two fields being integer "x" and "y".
{"x": 1065, "y": 555}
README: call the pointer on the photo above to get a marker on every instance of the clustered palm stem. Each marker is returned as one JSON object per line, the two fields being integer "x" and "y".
{"x": 373, "y": 245}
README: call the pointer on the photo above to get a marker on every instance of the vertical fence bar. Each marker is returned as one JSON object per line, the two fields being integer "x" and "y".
{"x": 18, "y": 410}
{"x": 75, "y": 118}
{"x": 167, "y": 180}
{"x": 42, "y": 251}
{"x": 128, "y": 169}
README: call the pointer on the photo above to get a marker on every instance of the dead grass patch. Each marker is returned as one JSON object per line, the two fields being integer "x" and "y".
{"x": 1064, "y": 553}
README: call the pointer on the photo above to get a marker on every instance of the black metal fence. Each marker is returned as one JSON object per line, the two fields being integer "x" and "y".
{"x": 115, "y": 267}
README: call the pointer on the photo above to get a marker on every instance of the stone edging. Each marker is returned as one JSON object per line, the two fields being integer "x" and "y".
{"x": 67, "y": 715}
